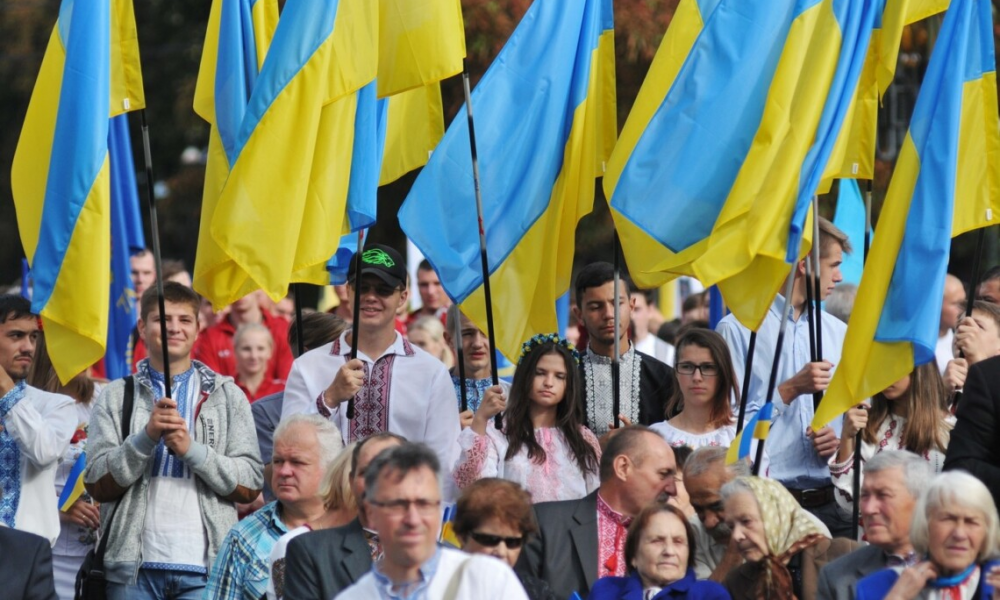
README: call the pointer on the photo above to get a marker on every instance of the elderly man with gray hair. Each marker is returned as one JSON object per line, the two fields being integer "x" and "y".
{"x": 891, "y": 488}
{"x": 705, "y": 472}
{"x": 304, "y": 448}
{"x": 403, "y": 504}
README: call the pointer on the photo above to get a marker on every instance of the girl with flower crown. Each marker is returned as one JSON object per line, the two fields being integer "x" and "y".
{"x": 543, "y": 445}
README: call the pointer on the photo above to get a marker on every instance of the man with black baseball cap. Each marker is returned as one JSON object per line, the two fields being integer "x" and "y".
{"x": 396, "y": 386}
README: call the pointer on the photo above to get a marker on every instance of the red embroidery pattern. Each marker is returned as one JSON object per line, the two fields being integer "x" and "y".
{"x": 611, "y": 529}
{"x": 371, "y": 405}
{"x": 470, "y": 470}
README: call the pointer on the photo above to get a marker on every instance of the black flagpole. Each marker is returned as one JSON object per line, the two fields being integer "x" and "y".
{"x": 615, "y": 360}
{"x": 856, "y": 480}
{"x": 809, "y": 306}
{"x": 157, "y": 257}
{"x": 356, "y": 317}
{"x": 498, "y": 420}
{"x": 747, "y": 371}
{"x": 300, "y": 347}
{"x": 773, "y": 379}
{"x": 817, "y": 297}
{"x": 460, "y": 358}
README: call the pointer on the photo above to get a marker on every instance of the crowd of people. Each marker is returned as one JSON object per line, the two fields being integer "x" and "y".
{"x": 252, "y": 457}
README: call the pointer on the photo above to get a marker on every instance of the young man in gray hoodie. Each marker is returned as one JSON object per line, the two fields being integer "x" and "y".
{"x": 173, "y": 482}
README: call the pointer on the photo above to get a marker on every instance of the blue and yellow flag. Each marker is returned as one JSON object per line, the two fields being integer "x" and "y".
{"x": 756, "y": 429}
{"x": 60, "y": 176}
{"x": 420, "y": 42}
{"x": 732, "y": 126}
{"x": 236, "y": 43}
{"x": 73, "y": 489}
{"x": 282, "y": 210}
{"x": 126, "y": 238}
{"x": 947, "y": 181}
{"x": 545, "y": 122}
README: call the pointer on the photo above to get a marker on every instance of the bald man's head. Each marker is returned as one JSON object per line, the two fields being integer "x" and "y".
{"x": 953, "y": 305}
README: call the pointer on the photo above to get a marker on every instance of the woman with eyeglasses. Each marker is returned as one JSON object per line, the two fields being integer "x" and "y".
{"x": 704, "y": 383}
{"x": 659, "y": 552}
{"x": 494, "y": 517}
{"x": 544, "y": 445}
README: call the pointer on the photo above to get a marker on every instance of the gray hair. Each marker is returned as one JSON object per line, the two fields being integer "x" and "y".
{"x": 404, "y": 458}
{"x": 955, "y": 488}
{"x": 704, "y": 458}
{"x": 735, "y": 487}
{"x": 915, "y": 469}
{"x": 327, "y": 435}
{"x": 840, "y": 303}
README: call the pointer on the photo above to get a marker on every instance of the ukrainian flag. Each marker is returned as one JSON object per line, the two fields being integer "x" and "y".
{"x": 853, "y": 155}
{"x": 126, "y": 237}
{"x": 756, "y": 429}
{"x": 60, "y": 176}
{"x": 239, "y": 34}
{"x": 420, "y": 42}
{"x": 73, "y": 489}
{"x": 947, "y": 181}
{"x": 733, "y": 125}
{"x": 281, "y": 212}
{"x": 545, "y": 117}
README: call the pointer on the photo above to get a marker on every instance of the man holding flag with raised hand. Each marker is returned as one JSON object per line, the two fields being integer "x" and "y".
{"x": 35, "y": 428}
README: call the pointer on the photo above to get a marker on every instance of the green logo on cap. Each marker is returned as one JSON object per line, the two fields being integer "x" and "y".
{"x": 377, "y": 257}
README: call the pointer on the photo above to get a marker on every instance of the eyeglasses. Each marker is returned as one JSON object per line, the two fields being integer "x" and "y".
{"x": 382, "y": 290}
{"x": 706, "y": 369}
{"x": 491, "y": 541}
{"x": 400, "y": 507}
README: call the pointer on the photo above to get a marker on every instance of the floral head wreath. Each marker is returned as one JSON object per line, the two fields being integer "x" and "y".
{"x": 543, "y": 338}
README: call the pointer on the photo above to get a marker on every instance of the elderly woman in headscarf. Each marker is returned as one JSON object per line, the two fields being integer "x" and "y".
{"x": 955, "y": 526}
{"x": 783, "y": 545}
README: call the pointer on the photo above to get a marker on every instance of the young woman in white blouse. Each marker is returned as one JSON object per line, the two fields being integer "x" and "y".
{"x": 544, "y": 445}
{"x": 705, "y": 380}
{"x": 911, "y": 414}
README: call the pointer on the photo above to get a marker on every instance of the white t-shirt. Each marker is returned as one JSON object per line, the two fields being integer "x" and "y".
{"x": 481, "y": 578}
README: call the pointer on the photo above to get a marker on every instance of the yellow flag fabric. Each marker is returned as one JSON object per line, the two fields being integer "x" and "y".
{"x": 415, "y": 125}
{"x": 420, "y": 42}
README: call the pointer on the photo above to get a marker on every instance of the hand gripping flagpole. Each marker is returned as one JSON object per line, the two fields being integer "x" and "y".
{"x": 856, "y": 460}
{"x": 498, "y": 420}
{"x": 615, "y": 359}
{"x": 773, "y": 379}
{"x": 356, "y": 317}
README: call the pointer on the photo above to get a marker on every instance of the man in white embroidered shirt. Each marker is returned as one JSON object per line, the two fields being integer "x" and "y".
{"x": 35, "y": 428}
{"x": 396, "y": 386}
{"x": 403, "y": 503}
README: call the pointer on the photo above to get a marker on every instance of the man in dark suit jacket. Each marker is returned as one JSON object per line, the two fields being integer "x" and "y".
{"x": 645, "y": 383}
{"x": 973, "y": 446}
{"x": 26, "y": 566}
{"x": 637, "y": 468}
{"x": 320, "y": 564}
{"x": 888, "y": 496}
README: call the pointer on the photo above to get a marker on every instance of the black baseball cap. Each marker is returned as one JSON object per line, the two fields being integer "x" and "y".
{"x": 383, "y": 262}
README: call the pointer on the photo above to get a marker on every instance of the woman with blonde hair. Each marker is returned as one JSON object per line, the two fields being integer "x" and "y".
{"x": 428, "y": 334}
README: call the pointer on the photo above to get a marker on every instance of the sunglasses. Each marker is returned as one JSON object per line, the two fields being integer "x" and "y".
{"x": 382, "y": 290}
{"x": 491, "y": 541}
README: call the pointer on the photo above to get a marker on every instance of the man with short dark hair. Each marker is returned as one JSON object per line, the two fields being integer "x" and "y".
{"x": 433, "y": 299}
{"x": 35, "y": 427}
{"x": 892, "y": 485}
{"x": 323, "y": 563}
{"x": 644, "y": 339}
{"x": 188, "y": 459}
{"x": 580, "y": 541}
{"x": 143, "y": 271}
{"x": 477, "y": 358}
{"x": 989, "y": 286}
{"x": 403, "y": 502}
{"x": 645, "y": 384}
{"x": 396, "y": 386}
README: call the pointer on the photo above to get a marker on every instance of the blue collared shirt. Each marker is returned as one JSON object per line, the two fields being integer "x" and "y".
{"x": 793, "y": 460}
{"x": 417, "y": 590}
